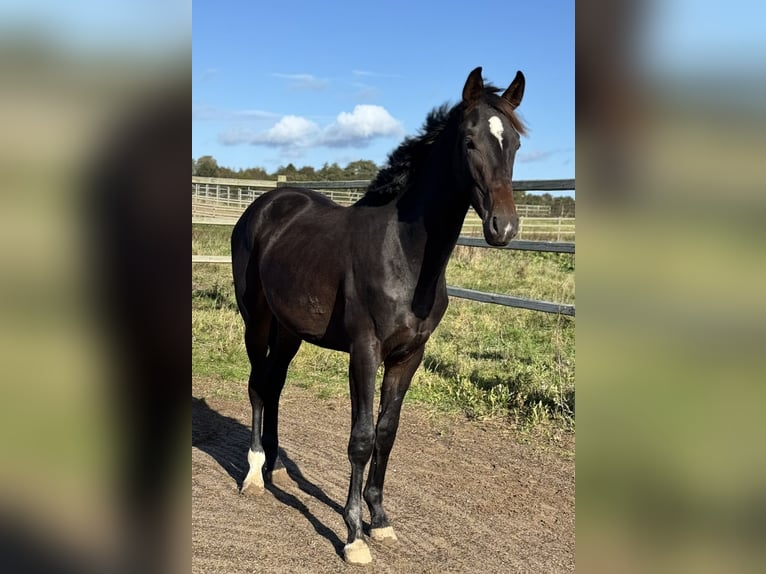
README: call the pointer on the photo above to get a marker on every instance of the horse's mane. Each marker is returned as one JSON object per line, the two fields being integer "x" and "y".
{"x": 395, "y": 177}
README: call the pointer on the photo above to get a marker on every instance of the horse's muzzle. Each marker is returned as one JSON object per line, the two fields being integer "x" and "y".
{"x": 499, "y": 228}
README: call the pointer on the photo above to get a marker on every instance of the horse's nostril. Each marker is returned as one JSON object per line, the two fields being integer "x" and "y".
{"x": 494, "y": 225}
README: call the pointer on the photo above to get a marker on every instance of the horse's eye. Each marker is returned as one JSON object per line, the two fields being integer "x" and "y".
{"x": 469, "y": 143}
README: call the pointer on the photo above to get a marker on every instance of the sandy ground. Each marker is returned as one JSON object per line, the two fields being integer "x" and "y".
{"x": 463, "y": 496}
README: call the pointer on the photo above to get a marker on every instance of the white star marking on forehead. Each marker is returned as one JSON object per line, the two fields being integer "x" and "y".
{"x": 496, "y": 128}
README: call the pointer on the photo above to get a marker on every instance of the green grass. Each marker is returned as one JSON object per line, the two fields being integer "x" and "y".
{"x": 211, "y": 239}
{"x": 487, "y": 361}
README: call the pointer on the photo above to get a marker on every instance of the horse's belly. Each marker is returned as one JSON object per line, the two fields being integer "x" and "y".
{"x": 318, "y": 324}
{"x": 332, "y": 341}
{"x": 313, "y": 316}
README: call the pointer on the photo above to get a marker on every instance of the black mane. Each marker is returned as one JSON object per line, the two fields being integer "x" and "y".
{"x": 402, "y": 164}
{"x": 394, "y": 178}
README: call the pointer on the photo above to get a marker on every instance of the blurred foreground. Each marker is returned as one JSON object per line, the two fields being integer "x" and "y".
{"x": 671, "y": 313}
{"x": 91, "y": 419}
{"x": 671, "y": 277}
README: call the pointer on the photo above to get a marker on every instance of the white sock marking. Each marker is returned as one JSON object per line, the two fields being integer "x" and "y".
{"x": 496, "y": 128}
{"x": 357, "y": 552}
{"x": 381, "y": 534}
{"x": 255, "y": 460}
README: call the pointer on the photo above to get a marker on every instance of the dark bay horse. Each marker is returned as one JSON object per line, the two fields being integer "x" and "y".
{"x": 369, "y": 279}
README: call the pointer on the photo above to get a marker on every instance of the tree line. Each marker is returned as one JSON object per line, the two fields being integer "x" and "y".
{"x": 207, "y": 166}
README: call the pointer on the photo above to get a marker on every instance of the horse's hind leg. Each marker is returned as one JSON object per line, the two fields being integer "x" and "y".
{"x": 270, "y": 350}
{"x": 282, "y": 349}
{"x": 256, "y": 342}
{"x": 258, "y": 318}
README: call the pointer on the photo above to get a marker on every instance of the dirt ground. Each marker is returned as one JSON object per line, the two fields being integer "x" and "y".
{"x": 463, "y": 496}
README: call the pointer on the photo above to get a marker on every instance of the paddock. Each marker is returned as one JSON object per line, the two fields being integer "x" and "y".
{"x": 440, "y": 464}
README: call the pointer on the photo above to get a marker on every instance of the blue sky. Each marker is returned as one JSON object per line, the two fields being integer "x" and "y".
{"x": 143, "y": 27}
{"x": 316, "y": 82}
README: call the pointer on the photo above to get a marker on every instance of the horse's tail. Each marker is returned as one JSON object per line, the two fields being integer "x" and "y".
{"x": 241, "y": 250}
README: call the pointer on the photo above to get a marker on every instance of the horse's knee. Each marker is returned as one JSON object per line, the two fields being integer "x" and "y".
{"x": 361, "y": 444}
{"x": 388, "y": 424}
{"x": 372, "y": 494}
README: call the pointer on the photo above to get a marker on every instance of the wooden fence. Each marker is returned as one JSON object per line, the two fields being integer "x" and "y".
{"x": 221, "y": 201}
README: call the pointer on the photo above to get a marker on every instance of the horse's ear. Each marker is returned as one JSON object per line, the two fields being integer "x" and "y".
{"x": 515, "y": 91}
{"x": 474, "y": 87}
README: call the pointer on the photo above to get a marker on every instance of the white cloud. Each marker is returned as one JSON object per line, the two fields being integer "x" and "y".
{"x": 350, "y": 129}
{"x": 365, "y": 92}
{"x": 541, "y": 155}
{"x": 535, "y": 155}
{"x": 290, "y": 131}
{"x": 304, "y": 81}
{"x": 236, "y": 136}
{"x": 370, "y": 74}
{"x": 206, "y": 112}
{"x": 365, "y": 123}
{"x": 209, "y": 74}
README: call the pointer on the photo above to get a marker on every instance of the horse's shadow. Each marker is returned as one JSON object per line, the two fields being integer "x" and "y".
{"x": 227, "y": 441}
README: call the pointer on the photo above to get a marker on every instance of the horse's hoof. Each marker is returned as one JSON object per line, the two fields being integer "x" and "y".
{"x": 251, "y": 489}
{"x": 280, "y": 478}
{"x": 253, "y": 483}
{"x": 357, "y": 552}
{"x": 385, "y": 535}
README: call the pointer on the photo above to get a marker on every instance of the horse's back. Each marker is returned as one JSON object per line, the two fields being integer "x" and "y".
{"x": 292, "y": 245}
{"x": 278, "y": 212}
{"x": 277, "y": 208}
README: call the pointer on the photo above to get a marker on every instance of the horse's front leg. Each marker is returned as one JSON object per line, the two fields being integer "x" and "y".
{"x": 363, "y": 365}
{"x": 396, "y": 381}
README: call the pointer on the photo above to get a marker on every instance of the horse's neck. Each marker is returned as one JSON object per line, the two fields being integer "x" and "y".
{"x": 437, "y": 199}
{"x": 431, "y": 218}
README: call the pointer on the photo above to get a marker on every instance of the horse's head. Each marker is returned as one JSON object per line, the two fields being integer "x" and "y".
{"x": 488, "y": 139}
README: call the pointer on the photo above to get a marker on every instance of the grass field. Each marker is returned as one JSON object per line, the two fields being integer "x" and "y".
{"x": 484, "y": 360}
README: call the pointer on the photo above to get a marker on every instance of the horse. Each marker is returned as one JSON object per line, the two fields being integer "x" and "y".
{"x": 369, "y": 280}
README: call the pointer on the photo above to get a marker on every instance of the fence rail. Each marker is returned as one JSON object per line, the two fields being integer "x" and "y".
{"x": 225, "y": 184}
{"x": 473, "y": 295}
{"x": 511, "y": 301}
{"x": 521, "y": 245}
{"x": 221, "y": 201}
